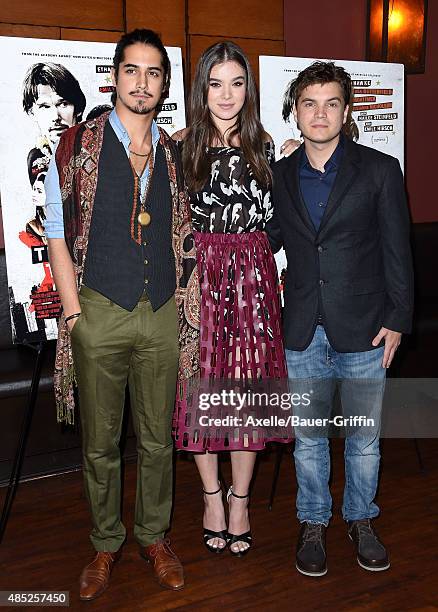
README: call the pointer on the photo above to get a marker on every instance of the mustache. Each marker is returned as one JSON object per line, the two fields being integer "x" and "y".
{"x": 142, "y": 92}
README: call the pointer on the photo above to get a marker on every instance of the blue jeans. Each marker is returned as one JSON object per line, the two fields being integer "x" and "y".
{"x": 362, "y": 456}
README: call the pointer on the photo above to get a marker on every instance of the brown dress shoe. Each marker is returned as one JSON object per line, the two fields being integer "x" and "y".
{"x": 95, "y": 576}
{"x": 166, "y": 565}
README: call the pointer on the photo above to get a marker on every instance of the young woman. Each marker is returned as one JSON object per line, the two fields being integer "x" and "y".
{"x": 226, "y": 158}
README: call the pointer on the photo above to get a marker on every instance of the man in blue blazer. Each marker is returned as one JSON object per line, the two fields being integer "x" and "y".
{"x": 340, "y": 212}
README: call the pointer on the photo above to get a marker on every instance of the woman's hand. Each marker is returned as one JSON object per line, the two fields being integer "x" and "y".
{"x": 180, "y": 135}
{"x": 289, "y": 146}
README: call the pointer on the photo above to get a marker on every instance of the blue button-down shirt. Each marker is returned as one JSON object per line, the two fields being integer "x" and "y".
{"x": 54, "y": 224}
{"x": 316, "y": 186}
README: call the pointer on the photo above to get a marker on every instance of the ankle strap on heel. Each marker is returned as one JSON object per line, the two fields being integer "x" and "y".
{"x": 231, "y": 492}
{"x": 211, "y": 492}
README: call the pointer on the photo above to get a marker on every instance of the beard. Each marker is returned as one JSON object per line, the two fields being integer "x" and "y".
{"x": 141, "y": 107}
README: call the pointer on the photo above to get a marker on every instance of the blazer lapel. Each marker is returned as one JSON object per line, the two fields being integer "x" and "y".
{"x": 292, "y": 182}
{"x": 347, "y": 174}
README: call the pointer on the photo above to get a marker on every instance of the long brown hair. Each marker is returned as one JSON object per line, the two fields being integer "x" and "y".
{"x": 203, "y": 132}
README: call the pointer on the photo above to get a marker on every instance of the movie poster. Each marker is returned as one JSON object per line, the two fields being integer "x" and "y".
{"x": 48, "y": 86}
{"x": 377, "y": 113}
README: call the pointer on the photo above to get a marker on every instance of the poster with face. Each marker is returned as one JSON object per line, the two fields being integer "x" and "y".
{"x": 376, "y": 117}
{"x": 47, "y": 87}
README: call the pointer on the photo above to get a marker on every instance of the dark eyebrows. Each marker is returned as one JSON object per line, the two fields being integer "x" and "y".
{"x": 238, "y": 78}
{"x": 158, "y": 68}
{"x": 313, "y": 99}
{"x": 40, "y": 103}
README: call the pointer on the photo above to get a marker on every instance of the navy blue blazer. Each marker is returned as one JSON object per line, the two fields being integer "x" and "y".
{"x": 356, "y": 270}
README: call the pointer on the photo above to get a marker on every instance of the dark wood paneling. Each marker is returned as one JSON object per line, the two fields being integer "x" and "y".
{"x": 166, "y": 17}
{"x": 28, "y": 31}
{"x": 339, "y": 34}
{"x": 257, "y": 30}
{"x": 99, "y": 14}
{"x": 243, "y": 19}
{"x": 90, "y": 35}
{"x": 252, "y": 47}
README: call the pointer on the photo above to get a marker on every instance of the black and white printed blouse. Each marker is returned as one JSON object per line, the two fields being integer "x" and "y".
{"x": 231, "y": 202}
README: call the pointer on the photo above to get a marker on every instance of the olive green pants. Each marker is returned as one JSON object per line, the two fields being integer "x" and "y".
{"x": 113, "y": 347}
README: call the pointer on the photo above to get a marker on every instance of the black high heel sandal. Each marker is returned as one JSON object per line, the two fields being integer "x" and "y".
{"x": 209, "y": 534}
{"x": 243, "y": 537}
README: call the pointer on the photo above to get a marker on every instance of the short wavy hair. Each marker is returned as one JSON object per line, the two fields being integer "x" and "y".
{"x": 317, "y": 73}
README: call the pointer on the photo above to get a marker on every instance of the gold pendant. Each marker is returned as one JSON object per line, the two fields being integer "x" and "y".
{"x": 144, "y": 218}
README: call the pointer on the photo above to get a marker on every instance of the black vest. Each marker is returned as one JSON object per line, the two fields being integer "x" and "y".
{"x": 117, "y": 266}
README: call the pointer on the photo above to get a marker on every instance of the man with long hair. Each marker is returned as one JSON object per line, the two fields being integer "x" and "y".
{"x": 118, "y": 224}
{"x": 340, "y": 211}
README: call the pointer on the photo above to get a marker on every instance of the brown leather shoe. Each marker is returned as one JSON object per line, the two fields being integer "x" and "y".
{"x": 166, "y": 565}
{"x": 95, "y": 577}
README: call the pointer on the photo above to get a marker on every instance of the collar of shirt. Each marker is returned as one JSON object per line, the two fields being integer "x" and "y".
{"x": 332, "y": 163}
{"x": 123, "y": 135}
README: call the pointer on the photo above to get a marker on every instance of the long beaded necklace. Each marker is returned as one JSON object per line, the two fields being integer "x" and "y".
{"x": 140, "y": 217}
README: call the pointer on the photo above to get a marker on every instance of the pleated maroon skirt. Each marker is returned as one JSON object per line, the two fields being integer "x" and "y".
{"x": 240, "y": 336}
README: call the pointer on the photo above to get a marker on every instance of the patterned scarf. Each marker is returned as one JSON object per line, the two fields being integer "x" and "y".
{"x": 77, "y": 159}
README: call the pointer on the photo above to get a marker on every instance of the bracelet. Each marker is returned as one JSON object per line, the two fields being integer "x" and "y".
{"x": 72, "y": 316}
